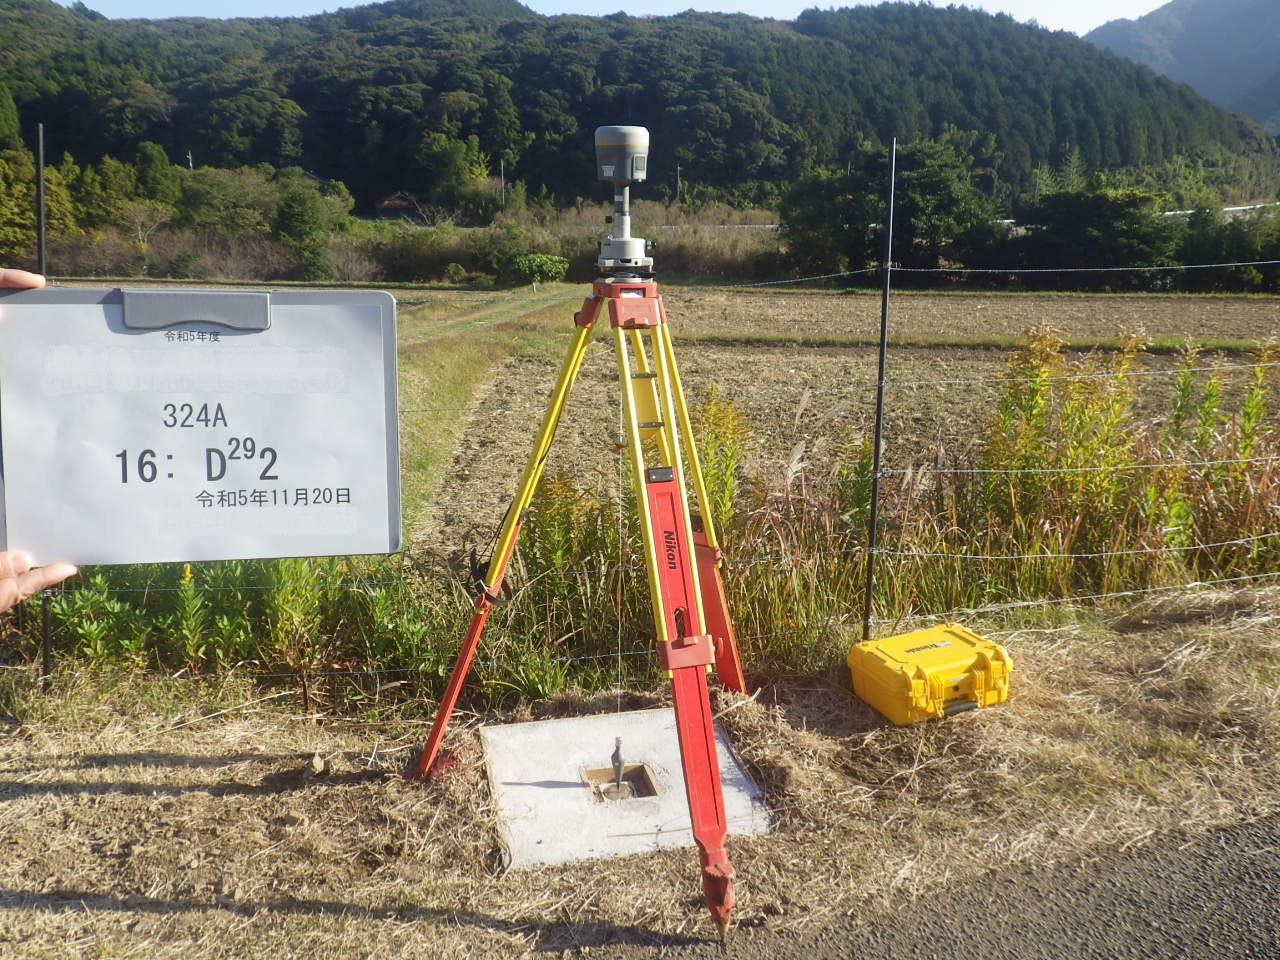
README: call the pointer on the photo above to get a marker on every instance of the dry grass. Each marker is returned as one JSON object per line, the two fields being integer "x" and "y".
{"x": 132, "y": 827}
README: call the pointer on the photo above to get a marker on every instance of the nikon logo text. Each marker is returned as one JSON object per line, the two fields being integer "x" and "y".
{"x": 669, "y": 546}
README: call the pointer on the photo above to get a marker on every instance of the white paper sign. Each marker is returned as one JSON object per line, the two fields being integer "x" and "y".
{"x": 196, "y": 440}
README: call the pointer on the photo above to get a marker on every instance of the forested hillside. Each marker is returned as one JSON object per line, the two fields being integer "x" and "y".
{"x": 431, "y": 96}
{"x": 1226, "y": 49}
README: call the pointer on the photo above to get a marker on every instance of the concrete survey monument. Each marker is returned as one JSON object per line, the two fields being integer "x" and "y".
{"x": 553, "y": 784}
{"x": 184, "y": 425}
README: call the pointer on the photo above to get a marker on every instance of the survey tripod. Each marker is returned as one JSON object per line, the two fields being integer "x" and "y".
{"x": 682, "y": 554}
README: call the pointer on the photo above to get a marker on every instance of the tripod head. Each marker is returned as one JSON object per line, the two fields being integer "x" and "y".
{"x": 622, "y": 158}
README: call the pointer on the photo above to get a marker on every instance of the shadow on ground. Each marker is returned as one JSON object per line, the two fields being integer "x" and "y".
{"x": 550, "y": 936}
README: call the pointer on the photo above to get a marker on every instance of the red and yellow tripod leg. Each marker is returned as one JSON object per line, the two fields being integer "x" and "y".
{"x": 702, "y": 784}
{"x": 684, "y": 650}
{"x": 491, "y": 590}
{"x": 687, "y": 656}
{"x": 715, "y": 607}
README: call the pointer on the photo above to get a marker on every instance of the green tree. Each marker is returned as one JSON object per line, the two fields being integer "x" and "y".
{"x": 831, "y": 220}
{"x": 81, "y": 10}
{"x": 541, "y": 268}
{"x": 116, "y": 185}
{"x": 158, "y": 179}
{"x": 1108, "y": 228}
{"x": 301, "y": 223}
{"x": 454, "y": 170}
{"x": 252, "y": 124}
{"x": 338, "y": 203}
{"x": 225, "y": 202}
{"x": 59, "y": 206}
{"x": 1071, "y": 172}
{"x": 17, "y": 212}
{"x": 10, "y": 128}
{"x": 300, "y": 215}
{"x": 89, "y": 198}
{"x": 745, "y": 107}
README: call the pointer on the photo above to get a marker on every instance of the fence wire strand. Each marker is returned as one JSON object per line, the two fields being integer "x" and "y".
{"x": 1078, "y": 556}
{"x": 1021, "y": 604}
{"x": 1119, "y": 468}
{"x": 1031, "y": 270}
{"x": 1171, "y": 372}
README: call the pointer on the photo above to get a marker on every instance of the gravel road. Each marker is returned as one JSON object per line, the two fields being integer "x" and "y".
{"x": 1215, "y": 898}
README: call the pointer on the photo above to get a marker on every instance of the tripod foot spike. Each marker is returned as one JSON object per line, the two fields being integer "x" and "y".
{"x": 717, "y": 891}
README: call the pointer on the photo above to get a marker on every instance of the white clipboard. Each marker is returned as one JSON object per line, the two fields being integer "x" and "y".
{"x": 151, "y": 425}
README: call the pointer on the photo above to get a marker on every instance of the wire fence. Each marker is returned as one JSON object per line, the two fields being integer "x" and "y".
{"x": 1156, "y": 268}
{"x": 395, "y": 577}
{"x": 947, "y": 615}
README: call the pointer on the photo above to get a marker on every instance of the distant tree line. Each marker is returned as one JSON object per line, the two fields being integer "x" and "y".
{"x": 945, "y": 221}
{"x": 147, "y": 216}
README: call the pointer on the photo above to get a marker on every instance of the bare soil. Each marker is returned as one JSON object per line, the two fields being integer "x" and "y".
{"x": 977, "y": 317}
{"x": 806, "y": 403}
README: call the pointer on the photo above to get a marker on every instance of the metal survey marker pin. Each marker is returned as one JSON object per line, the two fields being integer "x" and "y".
{"x": 617, "y": 764}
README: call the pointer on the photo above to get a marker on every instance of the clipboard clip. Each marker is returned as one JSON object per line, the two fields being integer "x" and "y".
{"x": 248, "y": 310}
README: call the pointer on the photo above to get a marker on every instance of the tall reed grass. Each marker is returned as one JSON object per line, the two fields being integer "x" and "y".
{"x": 1071, "y": 493}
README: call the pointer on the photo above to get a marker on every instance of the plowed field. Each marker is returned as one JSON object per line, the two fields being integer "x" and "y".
{"x": 802, "y": 367}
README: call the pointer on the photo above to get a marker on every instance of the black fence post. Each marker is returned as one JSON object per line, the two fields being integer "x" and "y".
{"x": 46, "y": 646}
{"x": 878, "y": 436}
{"x": 42, "y": 259}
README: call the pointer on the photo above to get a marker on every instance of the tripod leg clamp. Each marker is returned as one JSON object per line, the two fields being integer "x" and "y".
{"x": 686, "y": 652}
{"x": 482, "y": 590}
{"x": 586, "y": 317}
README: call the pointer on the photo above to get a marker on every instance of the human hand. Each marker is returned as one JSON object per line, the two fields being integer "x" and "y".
{"x": 18, "y": 580}
{"x": 20, "y": 280}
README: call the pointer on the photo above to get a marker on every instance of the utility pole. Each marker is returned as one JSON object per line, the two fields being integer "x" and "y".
{"x": 677, "y": 182}
{"x": 502, "y": 180}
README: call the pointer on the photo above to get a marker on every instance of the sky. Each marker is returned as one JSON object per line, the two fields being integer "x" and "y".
{"x": 1077, "y": 16}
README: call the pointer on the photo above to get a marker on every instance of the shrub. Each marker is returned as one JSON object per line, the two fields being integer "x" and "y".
{"x": 184, "y": 266}
{"x": 541, "y": 268}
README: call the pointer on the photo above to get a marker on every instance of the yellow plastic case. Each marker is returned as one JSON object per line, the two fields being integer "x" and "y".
{"x": 930, "y": 673}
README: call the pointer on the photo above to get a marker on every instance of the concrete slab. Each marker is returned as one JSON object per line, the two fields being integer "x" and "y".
{"x": 549, "y": 812}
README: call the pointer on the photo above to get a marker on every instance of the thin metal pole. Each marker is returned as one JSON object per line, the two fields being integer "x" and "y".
{"x": 41, "y": 258}
{"x": 46, "y": 650}
{"x": 878, "y": 438}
